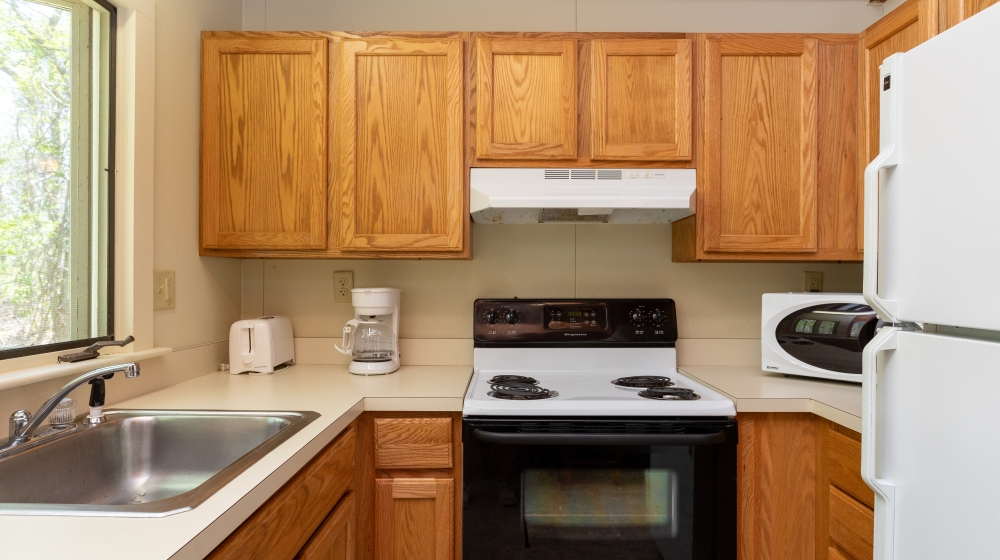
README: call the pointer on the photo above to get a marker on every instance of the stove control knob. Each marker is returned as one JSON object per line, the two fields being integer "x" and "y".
{"x": 510, "y": 316}
{"x": 637, "y": 317}
{"x": 656, "y": 317}
{"x": 492, "y": 316}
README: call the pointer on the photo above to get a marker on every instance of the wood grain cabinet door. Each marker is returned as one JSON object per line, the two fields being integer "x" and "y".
{"x": 910, "y": 24}
{"x": 641, "y": 100}
{"x": 759, "y": 169}
{"x": 263, "y": 143}
{"x": 414, "y": 518}
{"x": 526, "y": 98}
{"x": 402, "y": 187}
{"x": 334, "y": 539}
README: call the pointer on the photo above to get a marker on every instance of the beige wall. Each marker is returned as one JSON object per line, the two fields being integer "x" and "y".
{"x": 718, "y": 304}
{"x": 208, "y": 290}
{"x": 832, "y": 16}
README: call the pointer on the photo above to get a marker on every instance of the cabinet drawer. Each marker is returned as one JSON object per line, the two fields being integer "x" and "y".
{"x": 413, "y": 443}
{"x": 284, "y": 523}
{"x": 852, "y": 526}
{"x": 845, "y": 467}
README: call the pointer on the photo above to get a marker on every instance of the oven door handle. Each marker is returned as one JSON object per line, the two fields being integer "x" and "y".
{"x": 505, "y": 438}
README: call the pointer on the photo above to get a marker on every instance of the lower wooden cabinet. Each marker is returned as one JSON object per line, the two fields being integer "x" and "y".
{"x": 280, "y": 528}
{"x": 414, "y": 518}
{"x": 800, "y": 492}
{"x": 334, "y": 540}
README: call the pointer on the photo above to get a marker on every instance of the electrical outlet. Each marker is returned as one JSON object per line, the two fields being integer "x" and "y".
{"x": 812, "y": 281}
{"x": 343, "y": 283}
{"x": 164, "y": 289}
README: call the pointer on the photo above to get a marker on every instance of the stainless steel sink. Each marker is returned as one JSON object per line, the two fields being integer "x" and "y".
{"x": 142, "y": 463}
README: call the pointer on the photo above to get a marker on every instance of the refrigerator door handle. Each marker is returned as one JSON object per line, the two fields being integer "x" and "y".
{"x": 885, "y": 491}
{"x": 888, "y": 157}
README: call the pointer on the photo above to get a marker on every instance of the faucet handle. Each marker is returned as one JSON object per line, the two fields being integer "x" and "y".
{"x": 18, "y": 420}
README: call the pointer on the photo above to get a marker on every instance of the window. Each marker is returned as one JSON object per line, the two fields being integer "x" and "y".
{"x": 56, "y": 183}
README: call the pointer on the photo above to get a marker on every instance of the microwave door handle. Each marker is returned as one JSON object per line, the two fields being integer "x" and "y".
{"x": 505, "y": 438}
{"x": 885, "y": 491}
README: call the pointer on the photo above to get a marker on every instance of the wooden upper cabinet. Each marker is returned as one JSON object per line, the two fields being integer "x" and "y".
{"x": 526, "y": 98}
{"x": 263, "y": 143}
{"x": 641, "y": 100}
{"x": 401, "y": 166}
{"x": 414, "y": 518}
{"x": 761, "y": 152}
{"x": 957, "y": 11}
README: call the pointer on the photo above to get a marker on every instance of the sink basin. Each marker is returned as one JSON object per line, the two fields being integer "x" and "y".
{"x": 141, "y": 463}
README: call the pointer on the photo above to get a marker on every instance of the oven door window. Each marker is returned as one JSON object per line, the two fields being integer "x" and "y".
{"x": 526, "y": 502}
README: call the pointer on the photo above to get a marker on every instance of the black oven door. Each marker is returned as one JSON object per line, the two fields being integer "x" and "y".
{"x": 601, "y": 489}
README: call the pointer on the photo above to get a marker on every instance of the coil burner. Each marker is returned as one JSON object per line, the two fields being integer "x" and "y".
{"x": 643, "y": 382}
{"x": 669, "y": 394}
{"x": 520, "y": 392}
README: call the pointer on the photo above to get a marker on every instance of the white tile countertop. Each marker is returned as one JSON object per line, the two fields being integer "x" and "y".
{"x": 330, "y": 390}
{"x": 754, "y": 390}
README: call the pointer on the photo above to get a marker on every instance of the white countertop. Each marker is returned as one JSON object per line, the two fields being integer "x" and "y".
{"x": 330, "y": 390}
{"x": 754, "y": 390}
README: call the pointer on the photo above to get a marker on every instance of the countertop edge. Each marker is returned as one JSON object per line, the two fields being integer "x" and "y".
{"x": 786, "y": 404}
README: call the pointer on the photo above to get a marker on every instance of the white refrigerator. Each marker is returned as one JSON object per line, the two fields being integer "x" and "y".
{"x": 931, "y": 381}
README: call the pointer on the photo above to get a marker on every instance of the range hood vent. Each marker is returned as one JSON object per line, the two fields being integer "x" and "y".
{"x": 610, "y": 196}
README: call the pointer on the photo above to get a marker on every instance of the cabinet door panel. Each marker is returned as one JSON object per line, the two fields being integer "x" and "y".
{"x": 401, "y": 145}
{"x": 334, "y": 540}
{"x": 279, "y": 529}
{"x": 414, "y": 518}
{"x": 907, "y": 26}
{"x": 263, "y": 144}
{"x": 852, "y": 525}
{"x": 526, "y": 95}
{"x": 641, "y": 100}
{"x": 761, "y": 160}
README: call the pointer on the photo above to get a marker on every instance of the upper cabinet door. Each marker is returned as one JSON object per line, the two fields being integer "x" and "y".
{"x": 526, "y": 95}
{"x": 760, "y": 157}
{"x": 263, "y": 143}
{"x": 402, "y": 187}
{"x": 641, "y": 100}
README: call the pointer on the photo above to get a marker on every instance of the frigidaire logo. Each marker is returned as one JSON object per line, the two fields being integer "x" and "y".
{"x": 575, "y": 334}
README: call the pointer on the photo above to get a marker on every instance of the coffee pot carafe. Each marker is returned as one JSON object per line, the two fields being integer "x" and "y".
{"x": 371, "y": 338}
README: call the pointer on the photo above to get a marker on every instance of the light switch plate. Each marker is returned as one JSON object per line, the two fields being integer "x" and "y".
{"x": 343, "y": 283}
{"x": 812, "y": 281}
{"x": 164, "y": 289}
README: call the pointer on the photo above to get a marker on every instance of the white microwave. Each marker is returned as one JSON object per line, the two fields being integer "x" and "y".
{"x": 815, "y": 334}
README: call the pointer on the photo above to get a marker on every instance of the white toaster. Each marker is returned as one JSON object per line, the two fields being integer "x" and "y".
{"x": 260, "y": 346}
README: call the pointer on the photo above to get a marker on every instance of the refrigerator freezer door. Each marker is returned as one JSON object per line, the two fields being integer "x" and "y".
{"x": 934, "y": 452}
{"x": 938, "y": 258}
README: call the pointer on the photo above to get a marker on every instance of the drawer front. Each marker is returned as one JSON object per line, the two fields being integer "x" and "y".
{"x": 413, "y": 443}
{"x": 279, "y": 529}
{"x": 852, "y": 526}
{"x": 845, "y": 467}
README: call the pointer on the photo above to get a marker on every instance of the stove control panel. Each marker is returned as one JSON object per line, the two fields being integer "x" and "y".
{"x": 618, "y": 322}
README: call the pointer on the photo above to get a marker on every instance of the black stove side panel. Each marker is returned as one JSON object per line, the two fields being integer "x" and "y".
{"x": 574, "y": 323}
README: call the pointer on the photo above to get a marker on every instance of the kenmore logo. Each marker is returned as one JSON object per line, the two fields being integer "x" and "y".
{"x": 772, "y": 367}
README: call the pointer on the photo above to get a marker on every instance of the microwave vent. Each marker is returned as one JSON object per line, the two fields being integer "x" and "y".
{"x": 557, "y": 173}
{"x": 609, "y": 174}
{"x": 583, "y": 174}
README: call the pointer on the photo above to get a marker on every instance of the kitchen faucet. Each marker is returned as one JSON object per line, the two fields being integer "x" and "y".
{"x": 23, "y": 424}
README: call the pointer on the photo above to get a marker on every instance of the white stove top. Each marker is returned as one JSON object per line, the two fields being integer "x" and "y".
{"x": 582, "y": 377}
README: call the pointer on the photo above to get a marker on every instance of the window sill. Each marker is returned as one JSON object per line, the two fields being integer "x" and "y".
{"x": 43, "y": 373}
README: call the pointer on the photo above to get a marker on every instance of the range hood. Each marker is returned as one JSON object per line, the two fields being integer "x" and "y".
{"x": 587, "y": 195}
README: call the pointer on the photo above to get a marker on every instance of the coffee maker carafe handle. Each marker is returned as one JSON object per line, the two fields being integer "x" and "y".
{"x": 348, "y": 341}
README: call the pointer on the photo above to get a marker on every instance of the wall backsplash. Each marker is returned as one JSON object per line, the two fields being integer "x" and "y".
{"x": 718, "y": 305}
